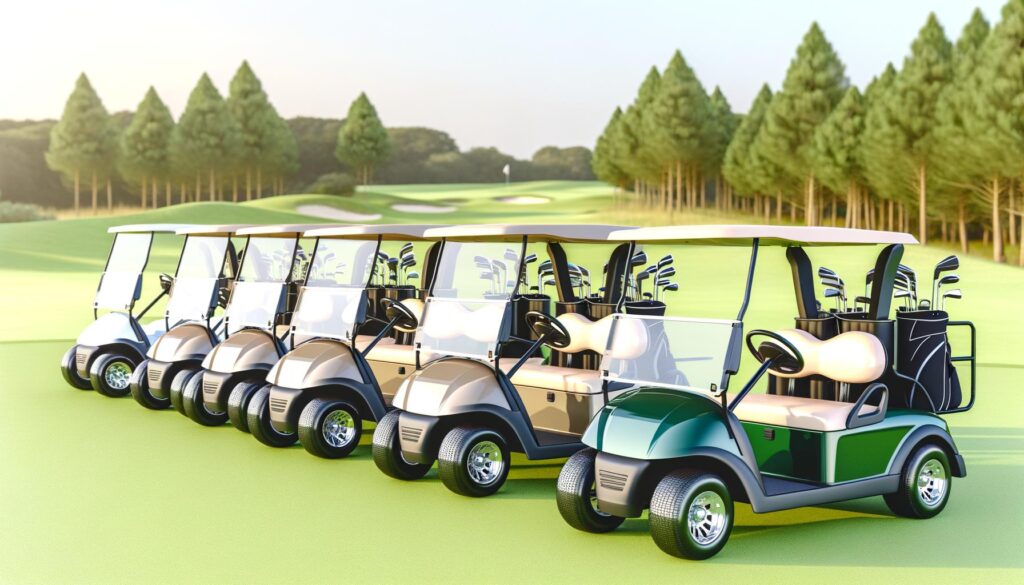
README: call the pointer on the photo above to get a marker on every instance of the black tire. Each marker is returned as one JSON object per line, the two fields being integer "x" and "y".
{"x": 671, "y": 506}
{"x": 140, "y": 389}
{"x": 387, "y": 451}
{"x": 330, "y": 428}
{"x": 258, "y": 416}
{"x": 110, "y": 375}
{"x": 238, "y": 403}
{"x": 178, "y": 383}
{"x": 473, "y": 474}
{"x": 575, "y": 495}
{"x": 922, "y": 501}
{"x": 69, "y": 369}
{"x": 195, "y": 407}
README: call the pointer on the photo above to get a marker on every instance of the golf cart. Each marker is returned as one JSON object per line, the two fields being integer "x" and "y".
{"x": 202, "y": 283}
{"x": 840, "y": 420}
{"x": 255, "y": 320}
{"x": 482, "y": 388}
{"x": 109, "y": 349}
{"x": 349, "y": 337}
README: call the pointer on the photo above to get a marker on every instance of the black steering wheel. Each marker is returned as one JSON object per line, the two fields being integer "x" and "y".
{"x": 785, "y": 357}
{"x": 554, "y": 333}
{"x": 398, "y": 312}
{"x": 166, "y": 282}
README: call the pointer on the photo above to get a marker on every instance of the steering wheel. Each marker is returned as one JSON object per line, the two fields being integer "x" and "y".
{"x": 394, "y": 310}
{"x": 785, "y": 357}
{"x": 554, "y": 333}
{"x": 166, "y": 281}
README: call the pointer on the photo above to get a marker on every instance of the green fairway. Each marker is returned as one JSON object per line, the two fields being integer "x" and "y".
{"x": 98, "y": 490}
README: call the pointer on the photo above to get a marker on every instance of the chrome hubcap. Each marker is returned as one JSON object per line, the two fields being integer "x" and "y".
{"x": 339, "y": 428}
{"x": 485, "y": 463}
{"x": 932, "y": 483}
{"x": 706, "y": 518}
{"x": 117, "y": 375}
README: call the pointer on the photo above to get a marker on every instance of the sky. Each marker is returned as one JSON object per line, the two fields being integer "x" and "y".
{"x": 516, "y": 75}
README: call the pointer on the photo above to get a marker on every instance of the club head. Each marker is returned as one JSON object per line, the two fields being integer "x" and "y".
{"x": 827, "y": 272}
{"x": 945, "y": 265}
{"x": 666, "y": 272}
{"x": 665, "y": 261}
{"x": 862, "y": 300}
{"x": 486, "y": 275}
{"x": 543, "y": 266}
{"x": 648, "y": 296}
{"x": 901, "y": 294}
{"x": 949, "y": 279}
{"x": 670, "y": 287}
{"x": 869, "y": 276}
{"x": 832, "y": 293}
{"x": 584, "y": 271}
{"x": 953, "y": 294}
{"x": 642, "y": 275}
{"x": 660, "y": 283}
{"x": 382, "y": 256}
{"x": 405, "y": 249}
{"x": 511, "y": 255}
{"x": 530, "y": 259}
{"x": 549, "y": 283}
{"x": 412, "y": 275}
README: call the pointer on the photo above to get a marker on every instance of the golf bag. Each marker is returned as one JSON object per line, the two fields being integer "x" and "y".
{"x": 927, "y": 378}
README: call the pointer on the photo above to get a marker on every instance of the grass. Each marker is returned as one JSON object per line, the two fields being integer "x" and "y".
{"x": 95, "y": 490}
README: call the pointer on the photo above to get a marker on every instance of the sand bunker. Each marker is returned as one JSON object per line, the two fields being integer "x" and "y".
{"x": 523, "y": 200}
{"x": 329, "y": 212}
{"x": 421, "y": 208}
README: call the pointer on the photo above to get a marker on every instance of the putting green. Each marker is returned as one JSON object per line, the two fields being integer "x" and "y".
{"x": 97, "y": 490}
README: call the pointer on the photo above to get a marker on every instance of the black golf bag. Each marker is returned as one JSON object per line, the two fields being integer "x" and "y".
{"x": 928, "y": 379}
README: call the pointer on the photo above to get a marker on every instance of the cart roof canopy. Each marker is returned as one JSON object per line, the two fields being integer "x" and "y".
{"x": 150, "y": 228}
{"x": 284, "y": 230}
{"x": 386, "y": 231}
{"x": 515, "y": 232}
{"x": 214, "y": 230}
{"x": 767, "y": 235}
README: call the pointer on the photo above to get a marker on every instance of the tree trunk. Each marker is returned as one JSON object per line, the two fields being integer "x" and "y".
{"x": 997, "y": 232}
{"x": 199, "y": 186}
{"x": 248, "y": 184}
{"x": 962, "y": 225}
{"x": 792, "y": 213}
{"x": 835, "y": 211}
{"x": 95, "y": 190}
{"x": 1012, "y": 218}
{"x": 259, "y": 182}
{"x": 922, "y": 207}
{"x": 167, "y": 191}
{"x": 110, "y": 195}
{"x": 1020, "y": 251}
{"x": 213, "y": 187}
{"x": 78, "y": 182}
{"x": 811, "y": 212}
{"x": 155, "y": 194}
{"x": 145, "y": 184}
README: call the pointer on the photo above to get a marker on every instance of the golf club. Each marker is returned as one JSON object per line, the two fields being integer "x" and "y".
{"x": 950, "y": 294}
{"x": 947, "y": 264}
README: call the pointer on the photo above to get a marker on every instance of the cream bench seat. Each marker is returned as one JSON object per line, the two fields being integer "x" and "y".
{"x": 795, "y": 412}
{"x": 574, "y": 380}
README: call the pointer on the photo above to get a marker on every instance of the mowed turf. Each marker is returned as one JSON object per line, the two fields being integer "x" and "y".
{"x": 97, "y": 490}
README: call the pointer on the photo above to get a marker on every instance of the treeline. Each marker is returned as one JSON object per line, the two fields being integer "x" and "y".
{"x": 935, "y": 147}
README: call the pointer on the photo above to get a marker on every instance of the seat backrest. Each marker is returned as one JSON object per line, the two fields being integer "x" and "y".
{"x": 854, "y": 357}
{"x": 585, "y": 334}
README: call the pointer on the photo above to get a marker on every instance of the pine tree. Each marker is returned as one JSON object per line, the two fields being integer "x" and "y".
{"x": 649, "y": 160}
{"x": 84, "y": 141}
{"x": 882, "y": 169}
{"x": 814, "y": 84}
{"x": 257, "y": 124}
{"x": 837, "y": 150}
{"x": 145, "y": 154}
{"x": 206, "y": 137}
{"x": 674, "y": 125}
{"x": 719, "y": 128}
{"x": 362, "y": 140}
{"x": 283, "y": 157}
{"x": 603, "y": 162}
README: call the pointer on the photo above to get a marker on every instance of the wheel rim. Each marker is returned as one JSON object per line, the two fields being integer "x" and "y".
{"x": 485, "y": 463}
{"x": 339, "y": 428}
{"x": 932, "y": 482}
{"x": 706, "y": 518}
{"x": 118, "y": 375}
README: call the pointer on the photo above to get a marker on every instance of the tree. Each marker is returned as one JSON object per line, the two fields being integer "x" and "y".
{"x": 603, "y": 162}
{"x": 84, "y": 140}
{"x": 362, "y": 141}
{"x": 743, "y": 166}
{"x": 206, "y": 136}
{"x": 837, "y": 149}
{"x": 719, "y": 129}
{"x": 925, "y": 73}
{"x": 881, "y": 168}
{"x": 258, "y": 125}
{"x": 282, "y": 156}
{"x": 994, "y": 120}
{"x": 814, "y": 84}
{"x": 145, "y": 145}
{"x": 572, "y": 163}
{"x": 675, "y": 112}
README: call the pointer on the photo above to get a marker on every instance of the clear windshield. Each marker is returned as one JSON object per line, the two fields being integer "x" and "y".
{"x": 203, "y": 257}
{"x": 469, "y": 328}
{"x": 342, "y": 263}
{"x": 120, "y": 285}
{"x": 129, "y": 253}
{"x": 333, "y": 301}
{"x": 267, "y": 260}
{"x": 194, "y": 294}
{"x": 477, "y": 270}
{"x": 255, "y": 304}
{"x": 681, "y": 353}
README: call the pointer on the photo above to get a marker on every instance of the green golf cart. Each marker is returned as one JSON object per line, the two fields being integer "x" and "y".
{"x": 850, "y": 409}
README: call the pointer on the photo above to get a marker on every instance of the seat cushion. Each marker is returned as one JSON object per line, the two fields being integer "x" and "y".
{"x": 394, "y": 353}
{"x": 537, "y": 375}
{"x": 794, "y": 412}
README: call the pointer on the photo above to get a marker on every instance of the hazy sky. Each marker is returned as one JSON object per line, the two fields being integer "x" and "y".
{"x": 517, "y": 75}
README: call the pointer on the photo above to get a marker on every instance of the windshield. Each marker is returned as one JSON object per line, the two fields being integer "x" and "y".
{"x": 203, "y": 257}
{"x": 194, "y": 294}
{"x": 469, "y": 328}
{"x": 120, "y": 284}
{"x": 129, "y": 253}
{"x": 342, "y": 263}
{"x": 255, "y": 304}
{"x": 478, "y": 270}
{"x": 267, "y": 260}
{"x": 333, "y": 301}
{"x": 680, "y": 353}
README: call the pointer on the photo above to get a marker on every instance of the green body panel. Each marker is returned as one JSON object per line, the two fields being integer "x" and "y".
{"x": 794, "y": 453}
{"x": 867, "y": 453}
{"x": 652, "y": 423}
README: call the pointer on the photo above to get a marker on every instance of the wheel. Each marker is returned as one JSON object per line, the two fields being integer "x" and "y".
{"x": 691, "y": 514}
{"x": 577, "y": 495}
{"x": 258, "y": 416}
{"x": 238, "y": 403}
{"x": 387, "y": 452}
{"x": 924, "y": 484}
{"x": 69, "y": 369}
{"x": 330, "y": 428}
{"x": 111, "y": 374}
{"x": 195, "y": 407}
{"x": 473, "y": 461}
{"x": 178, "y": 383}
{"x": 139, "y": 385}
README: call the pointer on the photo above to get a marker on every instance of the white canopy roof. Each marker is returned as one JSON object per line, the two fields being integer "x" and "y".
{"x": 386, "y": 231}
{"x": 149, "y": 228}
{"x": 214, "y": 230}
{"x": 768, "y": 235}
{"x": 515, "y": 232}
{"x": 284, "y": 230}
